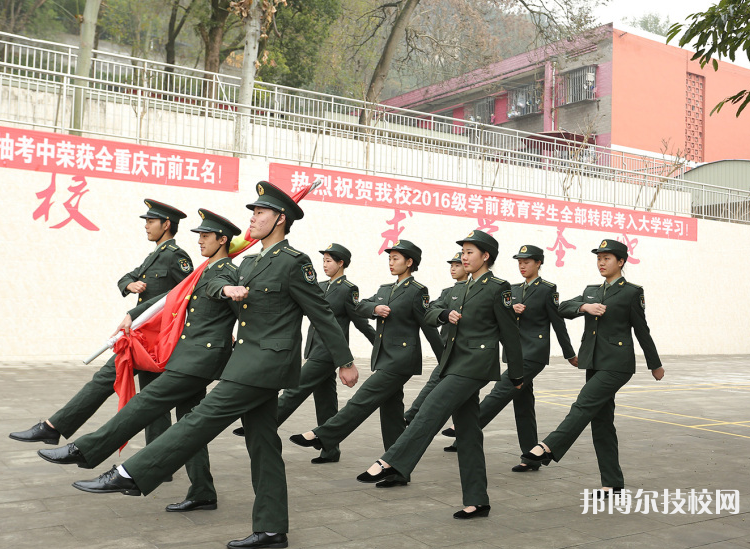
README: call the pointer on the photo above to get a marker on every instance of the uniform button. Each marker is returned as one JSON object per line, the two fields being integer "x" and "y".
{"x": 241, "y": 341}
{"x": 620, "y": 343}
{"x": 594, "y": 332}
{"x": 195, "y": 297}
{"x": 404, "y": 343}
{"x": 453, "y": 339}
{"x": 140, "y": 299}
{"x": 244, "y": 306}
{"x": 481, "y": 346}
{"x": 156, "y": 276}
{"x": 144, "y": 276}
{"x": 208, "y": 344}
{"x": 540, "y": 336}
{"x": 461, "y": 307}
{"x": 243, "y": 323}
{"x": 382, "y": 321}
{"x": 182, "y": 337}
{"x": 187, "y": 324}
{"x": 381, "y": 336}
{"x": 518, "y": 318}
{"x": 265, "y": 290}
{"x": 192, "y": 310}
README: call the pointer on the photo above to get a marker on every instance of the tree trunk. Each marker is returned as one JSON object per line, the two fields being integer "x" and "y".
{"x": 252, "y": 25}
{"x": 83, "y": 64}
{"x": 384, "y": 64}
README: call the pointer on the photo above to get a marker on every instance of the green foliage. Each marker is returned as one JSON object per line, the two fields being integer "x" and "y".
{"x": 720, "y": 31}
{"x": 650, "y": 22}
{"x": 294, "y": 43}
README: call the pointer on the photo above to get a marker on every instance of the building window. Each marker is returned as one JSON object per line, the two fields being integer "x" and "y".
{"x": 524, "y": 100}
{"x": 577, "y": 85}
{"x": 694, "y": 105}
{"x": 484, "y": 110}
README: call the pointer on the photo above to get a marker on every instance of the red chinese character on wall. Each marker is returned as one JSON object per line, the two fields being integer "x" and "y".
{"x": 486, "y": 225}
{"x": 559, "y": 247}
{"x": 392, "y": 235}
{"x": 631, "y": 244}
{"x": 71, "y": 204}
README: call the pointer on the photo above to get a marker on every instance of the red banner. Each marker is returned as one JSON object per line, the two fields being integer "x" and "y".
{"x": 384, "y": 192}
{"x": 68, "y": 154}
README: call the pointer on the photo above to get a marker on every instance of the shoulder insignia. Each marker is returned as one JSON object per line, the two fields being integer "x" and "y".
{"x": 173, "y": 247}
{"x": 507, "y": 299}
{"x": 536, "y": 283}
{"x": 309, "y": 272}
{"x": 163, "y": 247}
{"x": 350, "y": 284}
{"x": 231, "y": 266}
{"x": 418, "y": 285}
{"x": 425, "y": 301}
{"x": 485, "y": 281}
{"x": 634, "y": 285}
{"x": 220, "y": 266}
{"x": 548, "y": 283}
{"x": 406, "y": 284}
{"x": 185, "y": 265}
{"x": 643, "y": 301}
{"x": 556, "y": 299}
{"x": 276, "y": 252}
{"x": 355, "y": 297}
{"x": 621, "y": 283}
{"x": 292, "y": 251}
{"x": 498, "y": 280}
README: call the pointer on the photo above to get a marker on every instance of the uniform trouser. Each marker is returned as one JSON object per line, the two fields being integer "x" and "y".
{"x": 523, "y": 400}
{"x": 319, "y": 378}
{"x": 384, "y": 390}
{"x": 596, "y": 405}
{"x": 170, "y": 390}
{"x": 457, "y": 396}
{"x": 426, "y": 390}
{"x": 227, "y": 402}
{"x": 68, "y": 419}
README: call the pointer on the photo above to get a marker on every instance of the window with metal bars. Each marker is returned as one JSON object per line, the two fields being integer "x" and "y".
{"x": 576, "y": 85}
{"x": 524, "y": 100}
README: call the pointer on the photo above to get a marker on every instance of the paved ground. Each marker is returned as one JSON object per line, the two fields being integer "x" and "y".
{"x": 690, "y": 431}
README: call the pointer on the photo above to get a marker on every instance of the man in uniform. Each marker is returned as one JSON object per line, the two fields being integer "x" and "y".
{"x": 535, "y": 303}
{"x": 199, "y": 357}
{"x": 272, "y": 290}
{"x": 162, "y": 270}
{"x": 450, "y": 293}
{"x": 319, "y": 373}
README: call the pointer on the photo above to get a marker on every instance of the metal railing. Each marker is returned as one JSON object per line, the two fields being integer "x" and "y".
{"x": 151, "y": 102}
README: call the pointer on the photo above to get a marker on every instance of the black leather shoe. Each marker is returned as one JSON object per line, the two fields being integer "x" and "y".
{"x": 391, "y": 482}
{"x": 299, "y": 440}
{"x": 239, "y": 431}
{"x": 450, "y": 449}
{"x": 384, "y": 473}
{"x": 64, "y": 455}
{"x": 479, "y": 511}
{"x": 524, "y": 468}
{"x": 318, "y": 460}
{"x": 189, "y": 505}
{"x": 259, "y": 539}
{"x": 41, "y": 432}
{"x": 544, "y": 459}
{"x": 449, "y": 432}
{"x": 110, "y": 482}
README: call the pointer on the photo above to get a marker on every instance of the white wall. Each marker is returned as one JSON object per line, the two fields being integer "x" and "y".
{"x": 59, "y": 299}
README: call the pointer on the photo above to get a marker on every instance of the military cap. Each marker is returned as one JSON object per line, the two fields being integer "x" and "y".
{"x": 159, "y": 210}
{"x": 456, "y": 258}
{"x": 613, "y": 247}
{"x": 529, "y": 251}
{"x": 214, "y": 223}
{"x": 482, "y": 240}
{"x": 270, "y": 196}
{"x": 339, "y": 251}
{"x": 407, "y": 249}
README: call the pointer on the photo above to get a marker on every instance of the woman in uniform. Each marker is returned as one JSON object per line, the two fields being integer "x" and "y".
{"x": 611, "y": 311}
{"x": 477, "y": 321}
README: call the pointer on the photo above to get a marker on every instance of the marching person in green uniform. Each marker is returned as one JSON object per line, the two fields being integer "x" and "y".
{"x": 460, "y": 276}
{"x": 162, "y": 270}
{"x": 612, "y": 311}
{"x": 198, "y": 358}
{"x": 318, "y": 374}
{"x": 535, "y": 304}
{"x": 271, "y": 291}
{"x": 478, "y": 321}
{"x": 396, "y": 356}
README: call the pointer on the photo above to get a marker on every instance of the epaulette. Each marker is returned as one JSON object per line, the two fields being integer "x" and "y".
{"x": 634, "y": 285}
{"x": 173, "y": 247}
{"x": 350, "y": 284}
{"x": 417, "y": 284}
{"x": 497, "y": 280}
{"x": 230, "y": 265}
{"x": 547, "y": 282}
{"x": 291, "y": 251}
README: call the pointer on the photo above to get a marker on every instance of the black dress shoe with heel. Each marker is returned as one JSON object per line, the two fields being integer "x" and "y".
{"x": 450, "y": 449}
{"x": 544, "y": 459}
{"x": 449, "y": 432}
{"x": 259, "y": 539}
{"x": 525, "y": 468}
{"x": 190, "y": 505}
{"x": 64, "y": 455}
{"x": 479, "y": 511}
{"x": 41, "y": 432}
{"x": 110, "y": 482}
{"x": 300, "y": 440}
{"x": 239, "y": 431}
{"x": 318, "y": 460}
{"x": 384, "y": 473}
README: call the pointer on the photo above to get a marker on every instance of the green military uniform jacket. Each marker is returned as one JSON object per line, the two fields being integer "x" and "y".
{"x": 398, "y": 347}
{"x": 281, "y": 288}
{"x": 206, "y": 341}
{"x": 487, "y": 320}
{"x": 541, "y": 302}
{"x": 342, "y": 296}
{"x": 449, "y": 295}
{"x": 607, "y": 342}
{"x": 162, "y": 270}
